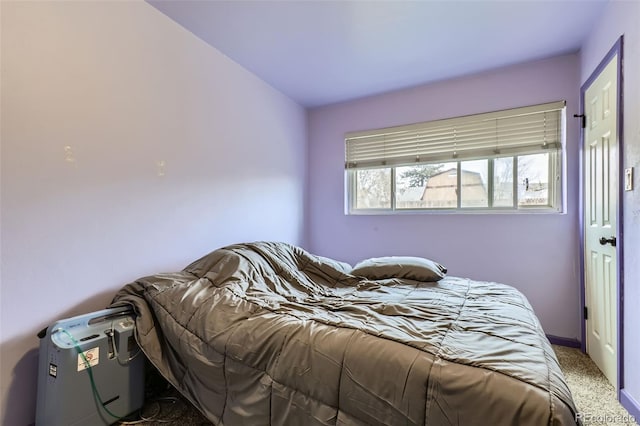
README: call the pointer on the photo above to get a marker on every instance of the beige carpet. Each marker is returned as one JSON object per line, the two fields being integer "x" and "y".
{"x": 594, "y": 397}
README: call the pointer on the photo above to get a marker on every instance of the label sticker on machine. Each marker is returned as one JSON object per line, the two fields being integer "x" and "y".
{"x": 88, "y": 358}
{"x": 126, "y": 324}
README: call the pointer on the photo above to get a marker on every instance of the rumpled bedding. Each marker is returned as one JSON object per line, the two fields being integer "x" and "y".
{"x": 269, "y": 334}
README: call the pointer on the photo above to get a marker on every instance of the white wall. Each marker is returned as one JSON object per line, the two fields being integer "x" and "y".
{"x": 623, "y": 18}
{"x": 125, "y": 87}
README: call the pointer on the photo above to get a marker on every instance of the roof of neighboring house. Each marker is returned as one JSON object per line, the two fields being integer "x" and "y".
{"x": 468, "y": 172}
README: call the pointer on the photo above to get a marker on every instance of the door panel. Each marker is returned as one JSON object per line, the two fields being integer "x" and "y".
{"x": 601, "y": 189}
{"x": 609, "y": 289}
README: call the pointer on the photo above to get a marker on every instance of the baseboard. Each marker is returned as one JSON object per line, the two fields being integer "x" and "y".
{"x": 630, "y": 404}
{"x": 564, "y": 341}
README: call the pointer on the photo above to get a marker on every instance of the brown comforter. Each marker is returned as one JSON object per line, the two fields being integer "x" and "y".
{"x": 268, "y": 334}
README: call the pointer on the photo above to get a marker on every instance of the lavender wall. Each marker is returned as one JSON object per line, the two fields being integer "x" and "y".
{"x": 125, "y": 87}
{"x": 538, "y": 254}
{"x": 621, "y": 18}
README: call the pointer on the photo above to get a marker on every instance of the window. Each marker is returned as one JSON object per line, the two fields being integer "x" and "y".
{"x": 500, "y": 161}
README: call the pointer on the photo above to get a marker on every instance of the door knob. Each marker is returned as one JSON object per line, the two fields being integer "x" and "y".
{"x": 611, "y": 241}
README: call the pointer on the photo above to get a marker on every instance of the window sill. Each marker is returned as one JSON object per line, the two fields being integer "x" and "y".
{"x": 488, "y": 212}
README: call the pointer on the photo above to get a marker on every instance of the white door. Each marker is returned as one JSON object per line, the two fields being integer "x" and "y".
{"x": 600, "y": 213}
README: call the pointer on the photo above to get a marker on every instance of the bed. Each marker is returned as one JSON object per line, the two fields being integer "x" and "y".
{"x": 268, "y": 334}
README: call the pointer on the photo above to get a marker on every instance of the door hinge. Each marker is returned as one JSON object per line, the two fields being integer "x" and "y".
{"x": 584, "y": 119}
{"x": 586, "y": 313}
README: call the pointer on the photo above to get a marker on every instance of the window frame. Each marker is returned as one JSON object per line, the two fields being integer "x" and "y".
{"x": 555, "y": 204}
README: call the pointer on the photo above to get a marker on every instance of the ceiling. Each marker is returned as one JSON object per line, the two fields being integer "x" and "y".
{"x": 319, "y": 52}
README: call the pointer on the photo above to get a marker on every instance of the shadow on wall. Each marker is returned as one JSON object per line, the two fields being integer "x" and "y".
{"x": 20, "y": 403}
{"x": 21, "y": 397}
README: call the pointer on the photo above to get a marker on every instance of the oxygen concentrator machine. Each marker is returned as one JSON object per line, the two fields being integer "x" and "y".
{"x": 90, "y": 370}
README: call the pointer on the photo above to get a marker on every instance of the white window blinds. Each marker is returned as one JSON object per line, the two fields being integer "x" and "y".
{"x": 524, "y": 130}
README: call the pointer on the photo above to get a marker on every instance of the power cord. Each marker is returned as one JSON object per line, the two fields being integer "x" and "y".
{"x": 153, "y": 417}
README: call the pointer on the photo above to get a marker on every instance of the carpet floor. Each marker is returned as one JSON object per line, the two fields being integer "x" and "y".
{"x": 594, "y": 397}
